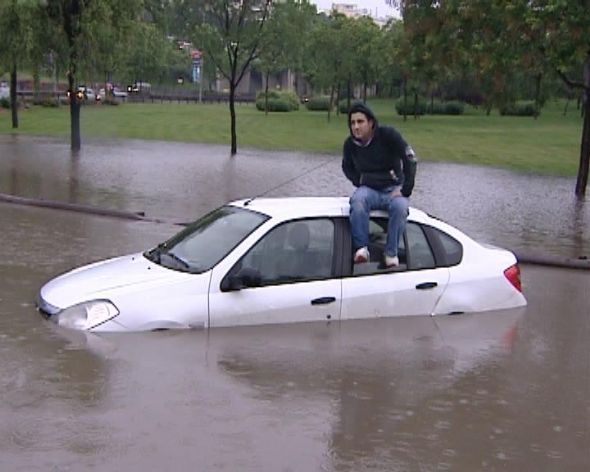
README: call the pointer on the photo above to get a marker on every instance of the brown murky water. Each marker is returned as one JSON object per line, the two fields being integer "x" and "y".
{"x": 495, "y": 391}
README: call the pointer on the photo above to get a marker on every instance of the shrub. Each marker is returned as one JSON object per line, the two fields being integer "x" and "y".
{"x": 278, "y": 101}
{"x": 5, "y": 102}
{"x": 273, "y": 104}
{"x": 110, "y": 101}
{"x": 520, "y": 108}
{"x": 447, "y": 108}
{"x": 319, "y": 103}
{"x": 402, "y": 109}
{"x": 46, "y": 102}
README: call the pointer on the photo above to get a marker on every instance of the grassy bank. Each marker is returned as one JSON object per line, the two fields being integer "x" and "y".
{"x": 548, "y": 145}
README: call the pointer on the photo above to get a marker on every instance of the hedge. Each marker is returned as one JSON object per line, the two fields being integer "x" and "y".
{"x": 520, "y": 108}
{"x": 110, "y": 101}
{"x": 436, "y": 108}
{"x": 277, "y": 101}
{"x": 410, "y": 109}
{"x": 319, "y": 103}
{"x": 446, "y": 108}
{"x": 46, "y": 102}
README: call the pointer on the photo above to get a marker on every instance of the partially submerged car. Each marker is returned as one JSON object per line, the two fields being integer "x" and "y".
{"x": 284, "y": 260}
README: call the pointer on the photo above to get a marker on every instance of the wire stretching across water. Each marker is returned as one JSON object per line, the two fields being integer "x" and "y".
{"x": 288, "y": 181}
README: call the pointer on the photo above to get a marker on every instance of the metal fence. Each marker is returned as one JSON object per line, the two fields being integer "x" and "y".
{"x": 144, "y": 97}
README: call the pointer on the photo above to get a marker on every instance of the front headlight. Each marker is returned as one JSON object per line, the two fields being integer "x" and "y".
{"x": 87, "y": 315}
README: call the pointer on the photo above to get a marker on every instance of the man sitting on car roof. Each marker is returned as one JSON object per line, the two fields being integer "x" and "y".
{"x": 379, "y": 162}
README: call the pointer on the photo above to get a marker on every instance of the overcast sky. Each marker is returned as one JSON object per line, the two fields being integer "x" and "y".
{"x": 376, "y": 7}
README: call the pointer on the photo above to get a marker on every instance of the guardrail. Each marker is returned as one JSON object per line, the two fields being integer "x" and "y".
{"x": 189, "y": 98}
{"x": 132, "y": 97}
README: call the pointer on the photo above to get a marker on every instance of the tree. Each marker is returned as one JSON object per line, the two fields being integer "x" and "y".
{"x": 329, "y": 57}
{"x": 17, "y": 27}
{"x": 70, "y": 15}
{"x": 565, "y": 43}
{"x": 112, "y": 40}
{"x": 364, "y": 36}
{"x": 506, "y": 39}
{"x": 81, "y": 23}
{"x": 148, "y": 53}
{"x": 282, "y": 47}
{"x": 391, "y": 67}
{"x": 230, "y": 35}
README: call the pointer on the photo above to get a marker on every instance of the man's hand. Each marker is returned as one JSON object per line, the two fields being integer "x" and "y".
{"x": 396, "y": 193}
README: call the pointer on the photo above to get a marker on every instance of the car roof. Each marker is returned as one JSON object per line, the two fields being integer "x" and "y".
{"x": 299, "y": 207}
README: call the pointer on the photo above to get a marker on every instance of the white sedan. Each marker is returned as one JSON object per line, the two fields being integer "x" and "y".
{"x": 284, "y": 260}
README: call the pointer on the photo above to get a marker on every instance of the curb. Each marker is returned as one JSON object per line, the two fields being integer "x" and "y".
{"x": 77, "y": 207}
{"x": 525, "y": 257}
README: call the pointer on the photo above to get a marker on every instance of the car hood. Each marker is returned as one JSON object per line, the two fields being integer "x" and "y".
{"x": 102, "y": 279}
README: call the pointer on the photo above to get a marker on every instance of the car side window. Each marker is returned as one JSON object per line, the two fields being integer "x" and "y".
{"x": 377, "y": 240}
{"x": 451, "y": 248}
{"x": 294, "y": 251}
{"x": 414, "y": 251}
{"x": 419, "y": 253}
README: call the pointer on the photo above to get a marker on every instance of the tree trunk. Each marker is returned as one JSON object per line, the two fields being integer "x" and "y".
{"x": 405, "y": 99}
{"x": 36, "y": 84}
{"x": 266, "y": 93}
{"x": 538, "y": 80}
{"x": 232, "y": 114}
{"x": 75, "y": 139}
{"x": 432, "y": 100}
{"x": 56, "y": 83}
{"x": 331, "y": 102}
{"x": 13, "y": 97}
{"x": 72, "y": 20}
{"x": 582, "y": 180}
{"x": 348, "y": 95}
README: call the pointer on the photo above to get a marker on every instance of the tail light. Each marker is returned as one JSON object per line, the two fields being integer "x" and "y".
{"x": 513, "y": 276}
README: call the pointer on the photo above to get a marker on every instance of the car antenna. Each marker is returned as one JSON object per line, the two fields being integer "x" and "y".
{"x": 292, "y": 179}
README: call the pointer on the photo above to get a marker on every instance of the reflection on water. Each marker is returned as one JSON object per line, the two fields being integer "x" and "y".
{"x": 495, "y": 391}
{"x": 381, "y": 380}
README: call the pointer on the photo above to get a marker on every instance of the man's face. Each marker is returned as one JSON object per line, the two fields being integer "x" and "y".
{"x": 361, "y": 127}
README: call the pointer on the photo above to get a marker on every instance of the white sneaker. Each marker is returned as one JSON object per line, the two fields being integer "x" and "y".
{"x": 391, "y": 261}
{"x": 361, "y": 255}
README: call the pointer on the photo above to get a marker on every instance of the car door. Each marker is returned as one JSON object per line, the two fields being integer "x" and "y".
{"x": 413, "y": 288}
{"x": 293, "y": 266}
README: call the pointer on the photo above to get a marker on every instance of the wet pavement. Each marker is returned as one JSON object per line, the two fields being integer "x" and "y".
{"x": 495, "y": 391}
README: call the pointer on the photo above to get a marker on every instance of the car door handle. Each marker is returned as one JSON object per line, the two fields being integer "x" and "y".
{"x": 323, "y": 300}
{"x": 426, "y": 285}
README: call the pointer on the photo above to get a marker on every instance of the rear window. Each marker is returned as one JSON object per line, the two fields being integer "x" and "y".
{"x": 452, "y": 250}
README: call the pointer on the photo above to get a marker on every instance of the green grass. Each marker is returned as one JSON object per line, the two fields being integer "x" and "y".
{"x": 548, "y": 145}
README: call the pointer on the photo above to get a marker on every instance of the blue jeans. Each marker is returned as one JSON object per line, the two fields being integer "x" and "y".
{"x": 363, "y": 200}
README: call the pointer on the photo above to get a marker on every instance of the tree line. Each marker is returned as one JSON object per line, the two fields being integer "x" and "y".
{"x": 487, "y": 52}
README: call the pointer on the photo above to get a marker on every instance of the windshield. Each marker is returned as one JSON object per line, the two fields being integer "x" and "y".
{"x": 205, "y": 242}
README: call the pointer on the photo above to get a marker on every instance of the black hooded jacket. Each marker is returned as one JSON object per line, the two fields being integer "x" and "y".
{"x": 385, "y": 161}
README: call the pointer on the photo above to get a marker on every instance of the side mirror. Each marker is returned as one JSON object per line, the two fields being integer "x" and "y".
{"x": 246, "y": 277}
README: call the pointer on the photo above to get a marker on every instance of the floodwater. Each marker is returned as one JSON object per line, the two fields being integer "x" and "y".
{"x": 504, "y": 391}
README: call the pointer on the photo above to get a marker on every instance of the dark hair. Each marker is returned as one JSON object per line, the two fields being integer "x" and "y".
{"x": 360, "y": 107}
